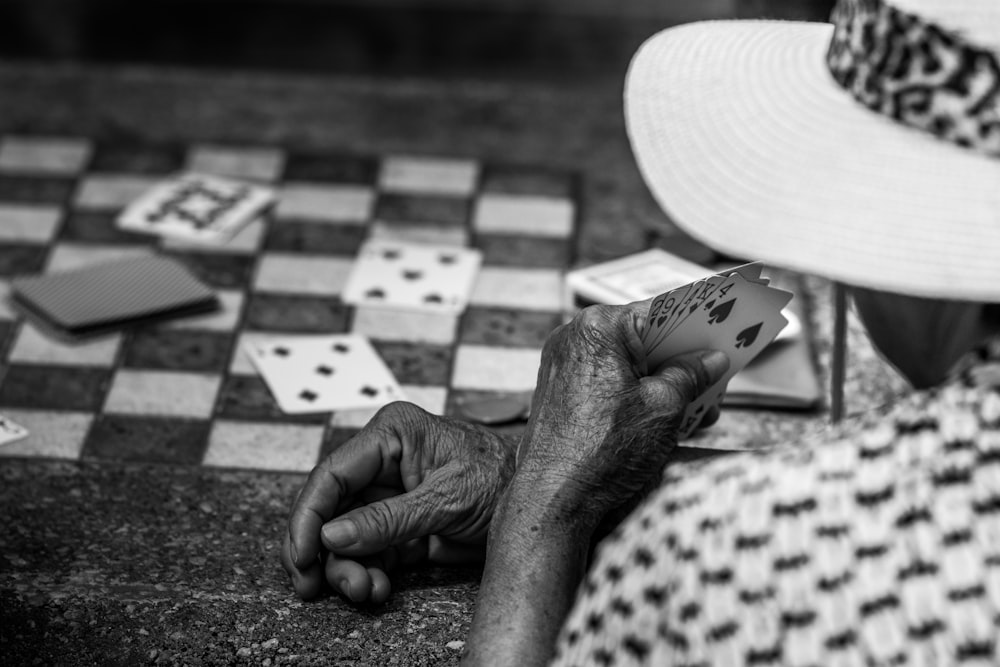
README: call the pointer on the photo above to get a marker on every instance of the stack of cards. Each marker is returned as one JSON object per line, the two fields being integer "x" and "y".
{"x": 324, "y": 373}
{"x": 735, "y": 311}
{"x": 112, "y": 295}
{"x": 632, "y": 278}
{"x": 196, "y": 208}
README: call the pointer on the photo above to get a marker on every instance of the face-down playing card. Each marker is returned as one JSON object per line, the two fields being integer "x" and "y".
{"x": 739, "y": 318}
{"x": 111, "y": 294}
{"x": 324, "y": 373}
{"x": 196, "y": 207}
{"x": 413, "y": 276}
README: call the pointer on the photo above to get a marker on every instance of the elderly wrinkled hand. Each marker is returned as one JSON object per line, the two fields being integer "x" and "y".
{"x": 603, "y": 424}
{"x": 409, "y": 486}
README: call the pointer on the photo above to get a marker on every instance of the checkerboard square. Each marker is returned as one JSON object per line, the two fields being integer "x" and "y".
{"x": 43, "y": 155}
{"x": 239, "y": 162}
{"x": 246, "y": 241}
{"x": 495, "y": 368}
{"x": 33, "y": 346}
{"x": 137, "y": 158}
{"x": 409, "y": 232}
{"x": 331, "y": 168}
{"x": 545, "y": 217}
{"x": 162, "y": 393}
{"x": 428, "y": 175}
{"x": 297, "y": 314}
{"x": 521, "y": 179}
{"x": 70, "y": 256}
{"x": 245, "y": 397}
{"x": 432, "y": 399}
{"x": 54, "y": 387}
{"x": 315, "y": 237}
{"x": 325, "y": 203}
{"x": 7, "y": 312}
{"x": 526, "y": 289}
{"x": 21, "y": 259}
{"x": 416, "y": 363}
{"x": 29, "y": 223}
{"x": 36, "y": 189}
{"x": 178, "y": 349}
{"x": 95, "y": 226}
{"x": 422, "y": 209}
{"x": 302, "y": 274}
{"x": 147, "y": 439}
{"x": 112, "y": 191}
{"x": 402, "y": 325}
{"x": 507, "y": 327}
{"x": 220, "y": 270}
{"x": 264, "y": 446}
{"x": 226, "y": 318}
{"x": 525, "y": 251}
{"x": 58, "y": 435}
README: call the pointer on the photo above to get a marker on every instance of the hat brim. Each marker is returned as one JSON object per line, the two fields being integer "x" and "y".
{"x": 750, "y": 146}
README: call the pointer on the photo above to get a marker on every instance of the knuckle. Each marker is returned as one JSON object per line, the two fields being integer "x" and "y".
{"x": 681, "y": 384}
{"x": 379, "y": 519}
{"x": 595, "y": 319}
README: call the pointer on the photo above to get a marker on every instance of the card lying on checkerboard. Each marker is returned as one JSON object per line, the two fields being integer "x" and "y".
{"x": 113, "y": 294}
{"x": 413, "y": 276}
{"x": 735, "y": 311}
{"x": 11, "y": 431}
{"x": 196, "y": 207}
{"x": 324, "y": 373}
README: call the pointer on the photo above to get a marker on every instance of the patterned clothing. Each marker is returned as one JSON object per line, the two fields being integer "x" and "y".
{"x": 880, "y": 546}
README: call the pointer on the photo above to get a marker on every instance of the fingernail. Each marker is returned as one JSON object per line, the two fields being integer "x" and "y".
{"x": 716, "y": 363}
{"x": 340, "y": 534}
{"x": 345, "y": 588}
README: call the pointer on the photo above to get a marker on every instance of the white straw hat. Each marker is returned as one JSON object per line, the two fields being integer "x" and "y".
{"x": 867, "y": 151}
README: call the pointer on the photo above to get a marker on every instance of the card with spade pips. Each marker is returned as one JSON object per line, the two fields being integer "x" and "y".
{"x": 413, "y": 276}
{"x": 324, "y": 373}
{"x": 736, "y": 312}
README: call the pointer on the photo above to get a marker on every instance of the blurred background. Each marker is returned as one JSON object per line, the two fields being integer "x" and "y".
{"x": 522, "y": 39}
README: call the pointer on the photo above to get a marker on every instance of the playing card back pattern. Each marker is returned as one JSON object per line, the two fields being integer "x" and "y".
{"x": 183, "y": 391}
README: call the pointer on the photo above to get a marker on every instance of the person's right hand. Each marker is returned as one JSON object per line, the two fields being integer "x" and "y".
{"x": 410, "y": 485}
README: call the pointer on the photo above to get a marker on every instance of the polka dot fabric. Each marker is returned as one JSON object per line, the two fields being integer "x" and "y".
{"x": 880, "y": 546}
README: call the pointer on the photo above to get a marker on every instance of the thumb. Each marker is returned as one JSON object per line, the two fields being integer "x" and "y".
{"x": 685, "y": 377}
{"x": 373, "y": 528}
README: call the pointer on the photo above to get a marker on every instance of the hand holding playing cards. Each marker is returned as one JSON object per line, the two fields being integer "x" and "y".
{"x": 603, "y": 422}
{"x": 410, "y": 485}
{"x": 601, "y": 429}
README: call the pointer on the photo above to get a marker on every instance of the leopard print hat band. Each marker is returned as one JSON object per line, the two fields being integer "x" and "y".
{"x": 918, "y": 73}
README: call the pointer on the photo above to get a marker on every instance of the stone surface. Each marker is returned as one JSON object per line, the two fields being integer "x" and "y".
{"x": 117, "y": 563}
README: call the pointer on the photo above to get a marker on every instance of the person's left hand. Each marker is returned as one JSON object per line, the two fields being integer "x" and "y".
{"x": 409, "y": 486}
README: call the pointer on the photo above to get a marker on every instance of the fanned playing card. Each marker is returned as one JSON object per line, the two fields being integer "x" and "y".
{"x": 413, "y": 276}
{"x": 11, "y": 431}
{"x": 324, "y": 373}
{"x": 724, "y": 312}
{"x": 196, "y": 207}
{"x": 113, "y": 294}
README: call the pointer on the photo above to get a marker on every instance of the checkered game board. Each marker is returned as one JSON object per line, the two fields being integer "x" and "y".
{"x": 183, "y": 391}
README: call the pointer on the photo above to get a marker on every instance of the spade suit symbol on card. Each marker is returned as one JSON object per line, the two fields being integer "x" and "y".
{"x": 746, "y": 337}
{"x": 721, "y": 312}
